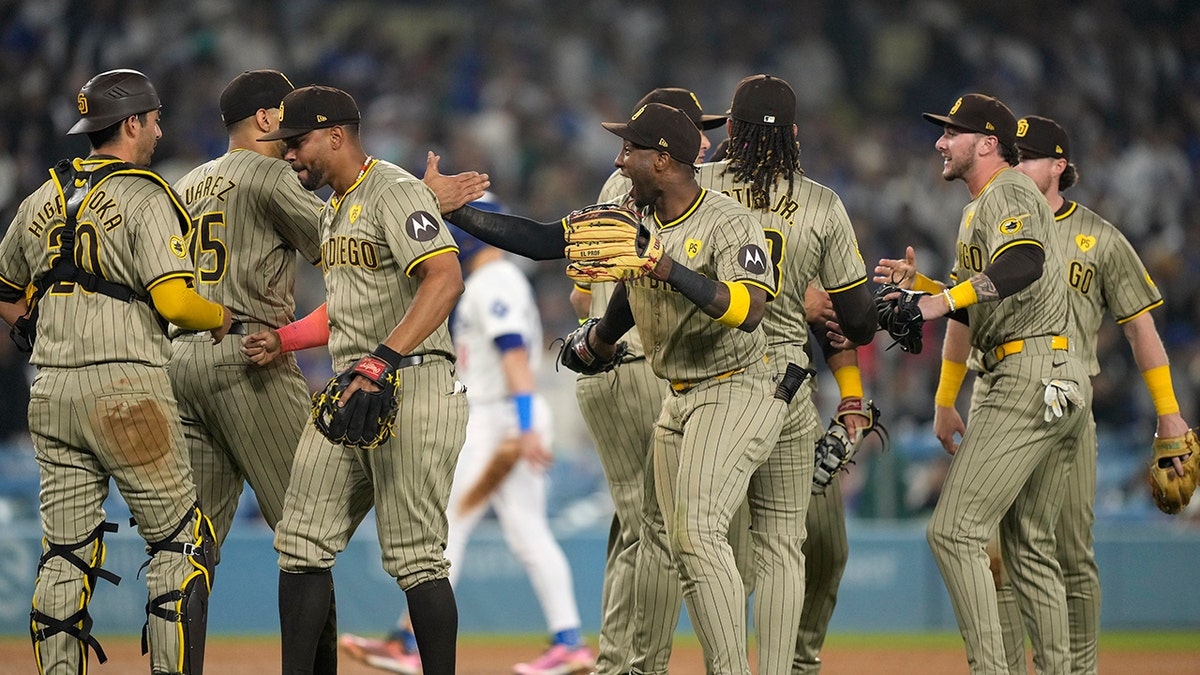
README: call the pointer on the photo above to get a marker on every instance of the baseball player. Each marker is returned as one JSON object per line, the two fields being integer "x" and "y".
{"x": 620, "y": 407}
{"x": 102, "y": 248}
{"x": 1009, "y": 468}
{"x": 1105, "y": 274}
{"x": 390, "y": 288}
{"x": 497, "y": 332}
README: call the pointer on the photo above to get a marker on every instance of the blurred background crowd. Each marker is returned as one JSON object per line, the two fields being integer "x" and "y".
{"x": 517, "y": 88}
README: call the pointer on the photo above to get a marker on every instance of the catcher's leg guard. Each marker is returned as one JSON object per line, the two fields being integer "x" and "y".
{"x": 59, "y": 623}
{"x": 179, "y": 581}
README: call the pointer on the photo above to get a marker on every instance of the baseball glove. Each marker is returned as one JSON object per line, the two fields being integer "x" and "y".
{"x": 366, "y": 418}
{"x": 900, "y": 316}
{"x": 608, "y": 242}
{"x": 1171, "y": 491}
{"x": 836, "y": 448}
{"x": 578, "y": 356}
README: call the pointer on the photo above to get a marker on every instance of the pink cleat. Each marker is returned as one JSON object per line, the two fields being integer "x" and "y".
{"x": 559, "y": 660}
{"x": 386, "y": 655}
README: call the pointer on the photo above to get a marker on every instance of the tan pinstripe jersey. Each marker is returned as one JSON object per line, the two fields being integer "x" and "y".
{"x": 1010, "y": 210}
{"x": 129, "y": 232}
{"x": 720, "y": 239}
{"x": 809, "y": 236}
{"x": 250, "y": 216}
{"x": 1105, "y": 273}
{"x": 373, "y": 237}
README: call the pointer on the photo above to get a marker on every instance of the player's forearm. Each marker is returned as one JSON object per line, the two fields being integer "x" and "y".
{"x": 182, "y": 306}
{"x": 311, "y": 331}
{"x": 1151, "y": 359}
{"x": 955, "y": 349}
{"x": 11, "y": 311}
{"x": 616, "y": 322}
{"x": 518, "y": 374}
{"x": 581, "y": 301}
{"x": 856, "y": 314}
{"x": 1014, "y": 269}
{"x": 512, "y": 233}
{"x": 844, "y": 366}
{"x": 735, "y": 304}
{"x": 432, "y": 303}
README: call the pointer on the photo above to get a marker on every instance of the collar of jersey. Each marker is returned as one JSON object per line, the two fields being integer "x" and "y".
{"x": 686, "y": 212}
{"x": 337, "y": 201}
{"x": 1067, "y": 209}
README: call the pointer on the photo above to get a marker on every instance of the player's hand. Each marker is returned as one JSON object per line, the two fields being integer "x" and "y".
{"x": 900, "y": 272}
{"x": 534, "y": 451}
{"x": 817, "y": 305}
{"x": 854, "y": 423}
{"x": 221, "y": 331}
{"x": 453, "y": 192}
{"x": 1170, "y": 426}
{"x": 836, "y": 339}
{"x": 946, "y": 423}
{"x": 262, "y": 347}
{"x": 359, "y": 382}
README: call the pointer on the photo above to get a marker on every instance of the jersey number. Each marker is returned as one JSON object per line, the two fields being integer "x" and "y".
{"x": 87, "y": 253}
{"x": 775, "y": 244}
{"x": 204, "y": 240}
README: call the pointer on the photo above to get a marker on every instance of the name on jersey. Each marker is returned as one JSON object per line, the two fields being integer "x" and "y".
{"x": 342, "y": 251}
{"x": 104, "y": 212}
{"x": 785, "y": 207}
{"x": 213, "y": 186}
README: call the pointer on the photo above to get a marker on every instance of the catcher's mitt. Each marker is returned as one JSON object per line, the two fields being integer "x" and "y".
{"x": 578, "y": 356}
{"x": 366, "y": 418}
{"x": 836, "y": 448}
{"x": 608, "y": 242}
{"x": 900, "y": 316}
{"x": 1171, "y": 491}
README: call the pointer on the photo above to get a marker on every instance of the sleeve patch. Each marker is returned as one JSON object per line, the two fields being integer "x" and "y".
{"x": 421, "y": 226}
{"x": 178, "y": 247}
{"x": 1011, "y": 225}
{"x": 753, "y": 259}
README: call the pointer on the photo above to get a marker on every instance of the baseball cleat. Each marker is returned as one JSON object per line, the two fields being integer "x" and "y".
{"x": 559, "y": 660}
{"x": 386, "y": 655}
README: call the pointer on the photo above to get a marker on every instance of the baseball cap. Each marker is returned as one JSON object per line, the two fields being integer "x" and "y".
{"x": 764, "y": 99}
{"x": 313, "y": 107}
{"x": 981, "y": 114}
{"x": 111, "y": 97}
{"x": 663, "y": 128}
{"x": 252, "y": 91}
{"x": 685, "y": 101}
{"x": 1042, "y": 137}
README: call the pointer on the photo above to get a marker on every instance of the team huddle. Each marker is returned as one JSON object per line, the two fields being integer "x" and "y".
{"x": 162, "y": 321}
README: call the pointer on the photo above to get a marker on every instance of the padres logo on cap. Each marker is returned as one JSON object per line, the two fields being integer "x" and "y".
{"x": 638, "y": 113}
{"x": 1022, "y": 127}
{"x": 280, "y": 112}
{"x": 956, "y": 104}
{"x": 83, "y": 104}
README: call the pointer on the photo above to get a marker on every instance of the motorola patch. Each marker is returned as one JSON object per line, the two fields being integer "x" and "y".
{"x": 752, "y": 258}
{"x": 421, "y": 226}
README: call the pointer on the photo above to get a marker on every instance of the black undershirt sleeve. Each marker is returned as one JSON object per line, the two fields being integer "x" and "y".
{"x": 1016, "y": 267}
{"x": 856, "y": 314}
{"x": 515, "y": 234}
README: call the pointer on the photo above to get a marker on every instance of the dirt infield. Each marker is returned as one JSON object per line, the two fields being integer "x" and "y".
{"x": 495, "y": 656}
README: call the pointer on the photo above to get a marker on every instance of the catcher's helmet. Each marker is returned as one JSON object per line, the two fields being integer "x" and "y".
{"x": 112, "y": 96}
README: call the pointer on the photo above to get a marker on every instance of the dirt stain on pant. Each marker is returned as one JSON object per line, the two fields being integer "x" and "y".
{"x": 136, "y": 430}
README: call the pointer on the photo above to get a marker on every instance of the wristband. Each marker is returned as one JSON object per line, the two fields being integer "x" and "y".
{"x": 524, "y": 411}
{"x": 388, "y": 355}
{"x": 949, "y": 382}
{"x": 849, "y": 381}
{"x": 960, "y": 296}
{"x": 1158, "y": 381}
{"x": 739, "y": 305}
{"x": 926, "y": 285}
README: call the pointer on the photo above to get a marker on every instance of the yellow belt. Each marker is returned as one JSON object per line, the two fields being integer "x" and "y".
{"x": 1007, "y": 349}
{"x": 680, "y": 386}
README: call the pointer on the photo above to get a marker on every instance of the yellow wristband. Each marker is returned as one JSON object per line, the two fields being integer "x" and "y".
{"x": 949, "y": 382}
{"x": 1158, "y": 381}
{"x": 961, "y": 296}
{"x": 926, "y": 285}
{"x": 739, "y": 305}
{"x": 849, "y": 381}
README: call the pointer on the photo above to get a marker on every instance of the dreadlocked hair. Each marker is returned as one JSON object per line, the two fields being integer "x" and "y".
{"x": 758, "y": 155}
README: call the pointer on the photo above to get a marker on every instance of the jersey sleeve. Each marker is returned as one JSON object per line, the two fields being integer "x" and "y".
{"x": 1128, "y": 289}
{"x": 842, "y": 265}
{"x": 296, "y": 213}
{"x": 413, "y": 225}
{"x": 159, "y": 252}
{"x": 15, "y": 274}
{"x": 1007, "y": 217}
{"x": 742, "y": 252}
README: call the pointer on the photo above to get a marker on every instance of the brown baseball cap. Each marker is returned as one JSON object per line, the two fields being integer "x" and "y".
{"x": 765, "y": 100}
{"x": 685, "y": 101}
{"x": 1042, "y": 137}
{"x": 660, "y": 127}
{"x": 313, "y": 107}
{"x": 251, "y": 91}
{"x": 981, "y": 114}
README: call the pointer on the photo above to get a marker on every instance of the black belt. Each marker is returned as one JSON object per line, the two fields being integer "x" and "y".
{"x": 235, "y": 328}
{"x": 414, "y": 360}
